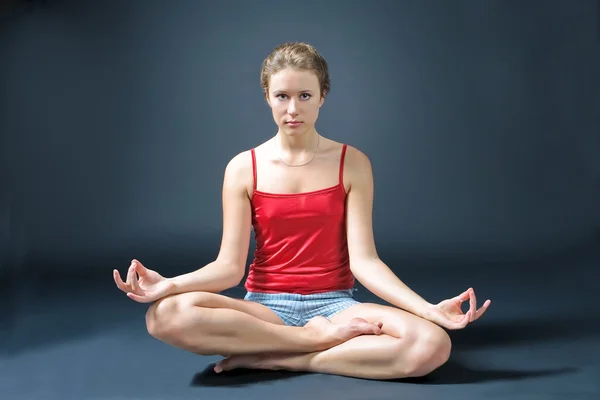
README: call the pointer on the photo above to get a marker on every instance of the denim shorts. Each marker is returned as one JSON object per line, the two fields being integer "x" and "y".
{"x": 298, "y": 309}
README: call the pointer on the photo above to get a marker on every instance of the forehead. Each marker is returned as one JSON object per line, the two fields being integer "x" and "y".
{"x": 294, "y": 80}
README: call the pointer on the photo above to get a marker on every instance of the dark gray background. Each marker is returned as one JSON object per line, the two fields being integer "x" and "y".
{"x": 118, "y": 118}
{"x": 481, "y": 119}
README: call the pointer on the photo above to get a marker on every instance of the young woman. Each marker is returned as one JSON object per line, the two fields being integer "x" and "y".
{"x": 309, "y": 200}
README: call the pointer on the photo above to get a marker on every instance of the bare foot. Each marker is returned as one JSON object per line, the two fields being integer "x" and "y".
{"x": 325, "y": 333}
{"x": 250, "y": 361}
{"x": 329, "y": 334}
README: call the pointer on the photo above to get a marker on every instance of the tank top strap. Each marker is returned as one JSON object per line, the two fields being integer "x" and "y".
{"x": 342, "y": 164}
{"x": 253, "y": 168}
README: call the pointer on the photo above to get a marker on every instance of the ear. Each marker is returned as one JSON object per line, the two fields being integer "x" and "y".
{"x": 322, "y": 100}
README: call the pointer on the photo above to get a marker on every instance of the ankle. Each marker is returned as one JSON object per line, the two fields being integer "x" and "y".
{"x": 315, "y": 339}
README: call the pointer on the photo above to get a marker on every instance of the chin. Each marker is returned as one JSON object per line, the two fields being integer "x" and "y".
{"x": 295, "y": 131}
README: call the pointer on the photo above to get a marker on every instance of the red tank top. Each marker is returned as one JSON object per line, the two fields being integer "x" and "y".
{"x": 301, "y": 244}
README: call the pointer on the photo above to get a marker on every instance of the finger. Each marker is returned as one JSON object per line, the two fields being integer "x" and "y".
{"x": 116, "y": 277}
{"x": 467, "y": 318}
{"x": 138, "y": 298}
{"x": 473, "y": 305}
{"x": 136, "y": 283}
{"x": 139, "y": 268}
{"x": 483, "y": 308}
{"x": 464, "y": 296}
{"x": 120, "y": 284}
{"x": 130, "y": 278}
{"x": 145, "y": 297}
{"x": 135, "y": 288}
{"x": 463, "y": 322}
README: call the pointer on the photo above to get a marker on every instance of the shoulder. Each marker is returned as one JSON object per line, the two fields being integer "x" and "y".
{"x": 239, "y": 163}
{"x": 239, "y": 172}
{"x": 357, "y": 167}
{"x": 356, "y": 158}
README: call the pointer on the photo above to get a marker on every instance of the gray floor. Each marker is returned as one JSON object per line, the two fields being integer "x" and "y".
{"x": 539, "y": 340}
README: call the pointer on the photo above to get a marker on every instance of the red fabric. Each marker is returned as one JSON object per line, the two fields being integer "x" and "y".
{"x": 301, "y": 244}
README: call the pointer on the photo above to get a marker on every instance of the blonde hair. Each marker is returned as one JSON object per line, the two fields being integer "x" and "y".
{"x": 297, "y": 55}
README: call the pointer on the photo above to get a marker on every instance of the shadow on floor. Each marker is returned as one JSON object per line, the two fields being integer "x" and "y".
{"x": 240, "y": 377}
{"x": 528, "y": 330}
{"x": 453, "y": 372}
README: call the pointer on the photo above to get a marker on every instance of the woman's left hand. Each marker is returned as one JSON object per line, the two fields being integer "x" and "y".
{"x": 449, "y": 314}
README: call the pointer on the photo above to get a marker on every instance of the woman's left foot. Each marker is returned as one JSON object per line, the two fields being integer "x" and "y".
{"x": 250, "y": 361}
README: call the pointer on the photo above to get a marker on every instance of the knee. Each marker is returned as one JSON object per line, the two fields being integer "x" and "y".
{"x": 165, "y": 317}
{"x": 431, "y": 350}
{"x": 161, "y": 315}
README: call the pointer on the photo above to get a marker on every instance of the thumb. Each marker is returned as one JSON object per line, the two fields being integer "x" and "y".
{"x": 147, "y": 297}
{"x": 463, "y": 322}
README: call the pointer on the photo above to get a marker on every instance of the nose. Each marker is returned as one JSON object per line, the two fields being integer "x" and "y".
{"x": 292, "y": 111}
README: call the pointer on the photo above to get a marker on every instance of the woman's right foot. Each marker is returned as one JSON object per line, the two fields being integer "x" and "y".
{"x": 328, "y": 334}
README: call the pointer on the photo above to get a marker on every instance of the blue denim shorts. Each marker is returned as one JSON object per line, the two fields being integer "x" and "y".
{"x": 298, "y": 309}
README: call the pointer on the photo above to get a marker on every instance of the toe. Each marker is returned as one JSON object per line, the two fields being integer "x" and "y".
{"x": 238, "y": 361}
{"x": 377, "y": 328}
{"x": 218, "y": 367}
{"x": 227, "y": 363}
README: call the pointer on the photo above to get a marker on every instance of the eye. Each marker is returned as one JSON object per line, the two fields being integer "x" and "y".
{"x": 282, "y": 96}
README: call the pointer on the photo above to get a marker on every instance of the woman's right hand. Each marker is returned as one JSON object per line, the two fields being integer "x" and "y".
{"x": 150, "y": 286}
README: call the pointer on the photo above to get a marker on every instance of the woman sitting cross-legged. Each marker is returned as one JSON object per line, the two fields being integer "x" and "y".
{"x": 309, "y": 201}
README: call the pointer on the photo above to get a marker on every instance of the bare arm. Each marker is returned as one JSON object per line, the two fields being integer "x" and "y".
{"x": 365, "y": 263}
{"x": 228, "y": 268}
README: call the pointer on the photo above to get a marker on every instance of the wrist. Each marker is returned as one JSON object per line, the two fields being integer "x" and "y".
{"x": 426, "y": 311}
{"x": 173, "y": 286}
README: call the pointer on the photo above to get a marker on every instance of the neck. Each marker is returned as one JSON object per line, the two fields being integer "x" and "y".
{"x": 298, "y": 143}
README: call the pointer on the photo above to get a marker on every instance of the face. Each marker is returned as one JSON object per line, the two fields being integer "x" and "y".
{"x": 295, "y": 99}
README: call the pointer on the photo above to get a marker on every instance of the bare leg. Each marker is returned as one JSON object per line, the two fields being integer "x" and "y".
{"x": 408, "y": 347}
{"x": 209, "y": 324}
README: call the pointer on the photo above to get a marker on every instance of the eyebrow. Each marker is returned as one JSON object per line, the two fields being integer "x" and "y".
{"x": 284, "y": 91}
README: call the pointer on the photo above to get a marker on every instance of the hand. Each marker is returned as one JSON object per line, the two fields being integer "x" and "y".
{"x": 151, "y": 285}
{"x": 448, "y": 313}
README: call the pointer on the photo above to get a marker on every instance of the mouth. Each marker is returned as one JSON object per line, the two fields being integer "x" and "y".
{"x": 293, "y": 122}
